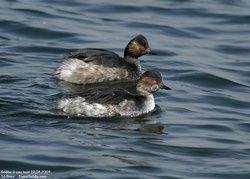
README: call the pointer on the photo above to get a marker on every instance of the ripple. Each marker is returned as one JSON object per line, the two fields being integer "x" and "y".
{"x": 217, "y": 127}
{"x": 114, "y": 8}
{"x": 201, "y": 127}
{"x": 4, "y": 38}
{"x": 64, "y": 160}
{"x": 22, "y": 30}
{"x": 14, "y": 139}
{"x": 233, "y": 50}
{"x": 24, "y": 166}
{"x": 201, "y": 151}
{"x": 164, "y": 29}
{"x": 38, "y": 33}
{"x": 7, "y": 79}
{"x": 225, "y": 141}
{"x": 233, "y": 2}
{"x": 227, "y": 101}
{"x": 244, "y": 127}
{"x": 204, "y": 30}
{"x": 235, "y": 19}
{"x": 38, "y": 49}
{"x": 207, "y": 80}
{"x": 9, "y": 25}
{"x": 34, "y": 12}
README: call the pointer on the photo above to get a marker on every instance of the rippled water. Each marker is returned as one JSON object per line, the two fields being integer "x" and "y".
{"x": 202, "y": 129}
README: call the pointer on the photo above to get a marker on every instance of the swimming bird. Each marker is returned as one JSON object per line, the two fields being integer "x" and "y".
{"x": 106, "y": 102}
{"x": 92, "y": 65}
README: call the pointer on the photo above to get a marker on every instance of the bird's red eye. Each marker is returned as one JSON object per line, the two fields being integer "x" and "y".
{"x": 154, "y": 82}
{"x": 142, "y": 49}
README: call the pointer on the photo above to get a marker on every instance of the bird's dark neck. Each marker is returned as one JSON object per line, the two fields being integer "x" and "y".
{"x": 134, "y": 61}
{"x": 141, "y": 90}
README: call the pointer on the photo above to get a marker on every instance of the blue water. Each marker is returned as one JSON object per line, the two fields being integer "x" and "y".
{"x": 202, "y": 126}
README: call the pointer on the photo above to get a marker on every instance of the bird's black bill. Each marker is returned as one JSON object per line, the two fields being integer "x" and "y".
{"x": 162, "y": 86}
{"x": 152, "y": 53}
{"x": 149, "y": 51}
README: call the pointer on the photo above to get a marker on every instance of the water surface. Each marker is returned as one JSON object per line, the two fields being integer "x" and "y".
{"x": 202, "y": 126}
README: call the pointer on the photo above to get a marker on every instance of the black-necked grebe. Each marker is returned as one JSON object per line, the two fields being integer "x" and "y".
{"x": 92, "y": 65}
{"x": 105, "y": 102}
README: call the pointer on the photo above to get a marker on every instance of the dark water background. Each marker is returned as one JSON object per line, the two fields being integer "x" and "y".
{"x": 202, "y": 129}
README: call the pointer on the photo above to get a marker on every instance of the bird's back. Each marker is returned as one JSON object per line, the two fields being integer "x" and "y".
{"x": 97, "y": 56}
